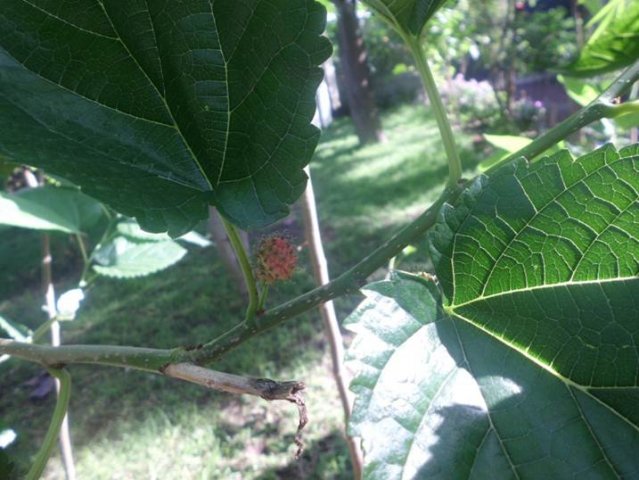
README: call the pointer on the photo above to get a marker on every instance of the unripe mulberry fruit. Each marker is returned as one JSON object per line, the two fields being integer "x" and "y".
{"x": 275, "y": 259}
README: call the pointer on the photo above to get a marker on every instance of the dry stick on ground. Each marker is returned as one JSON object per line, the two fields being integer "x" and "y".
{"x": 327, "y": 311}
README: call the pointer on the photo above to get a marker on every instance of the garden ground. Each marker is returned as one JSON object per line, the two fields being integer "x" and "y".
{"x": 130, "y": 425}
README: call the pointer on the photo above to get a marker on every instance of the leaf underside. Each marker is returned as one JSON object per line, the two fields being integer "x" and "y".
{"x": 614, "y": 45}
{"x": 50, "y": 208}
{"x": 125, "y": 258}
{"x": 527, "y": 366}
{"x": 161, "y": 107}
{"x": 409, "y": 15}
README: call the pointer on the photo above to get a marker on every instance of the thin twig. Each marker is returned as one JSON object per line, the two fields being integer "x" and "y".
{"x": 153, "y": 360}
{"x": 329, "y": 317}
{"x": 602, "y": 107}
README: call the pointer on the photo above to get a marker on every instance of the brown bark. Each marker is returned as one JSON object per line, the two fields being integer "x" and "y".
{"x": 353, "y": 60}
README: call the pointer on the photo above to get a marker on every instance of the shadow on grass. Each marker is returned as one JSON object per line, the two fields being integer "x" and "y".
{"x": 187, "y": 304}
{"x": 322, "y": 459}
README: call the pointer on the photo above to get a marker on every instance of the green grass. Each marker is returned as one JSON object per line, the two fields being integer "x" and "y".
{"x": 130, "y": 425}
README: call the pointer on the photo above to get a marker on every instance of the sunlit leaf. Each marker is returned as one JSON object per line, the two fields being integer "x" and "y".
{"x": 581, "y": 91}
{"x": 526, "y": 366}
{"x": 123, "y": 258}
{"x": 50, "y": 208}
{"x": 613, "y": 45}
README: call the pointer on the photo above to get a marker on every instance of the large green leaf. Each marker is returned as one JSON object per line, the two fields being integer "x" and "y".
{"x": 438, "y": 398}
{"x": 528, "y": 366}
{"x": 160, "y": 107}
{"x": 408, "y": 15}
{"x": 50, "y": 208}
{"x": 615, "y": 43}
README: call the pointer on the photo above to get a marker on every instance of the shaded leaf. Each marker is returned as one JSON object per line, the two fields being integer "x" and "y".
{"x": 6, "y": 167}
{"x": 131, "y": 230}
{"x": 50, "y": 208}
{"x": 408, "y": 15}
{"x": 438, "y": 398}
{"x": 160, "y": 108}
{"x": 613, "y": 45}
{"x": 123, "y": 258}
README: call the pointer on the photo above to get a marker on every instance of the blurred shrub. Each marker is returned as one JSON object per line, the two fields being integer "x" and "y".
{"x": 528, "y": 115}
{"x": 472, "y": 102}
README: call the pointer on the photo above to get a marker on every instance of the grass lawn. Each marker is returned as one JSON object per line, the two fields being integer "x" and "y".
{"x": 130, "y": 425}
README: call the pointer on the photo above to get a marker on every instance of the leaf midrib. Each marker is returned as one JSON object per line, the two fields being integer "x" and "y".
{"x": 551, "y": 201}
{"x": 451, "y": 307}
{"x": 585, "y": 389}
{"x": 175, "y": 124}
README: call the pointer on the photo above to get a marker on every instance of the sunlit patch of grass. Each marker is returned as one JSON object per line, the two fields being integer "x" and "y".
{"x": 365, "y": 193}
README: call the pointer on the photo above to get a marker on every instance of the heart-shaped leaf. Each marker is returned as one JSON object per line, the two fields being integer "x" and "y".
{"x": 408, "y": 16}
{"x": 528, "y": 367}
{"x": 615, "y": 43}
{"x": 161, "y": 107}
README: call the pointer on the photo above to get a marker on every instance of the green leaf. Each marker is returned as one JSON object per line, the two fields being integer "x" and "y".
{"x": 408, "y": 16}
{"x": 581, "y": 91}
{"x": 132, "y": 231}
{"x": 505, "y": 145}
{"x": 527, "y": 366}
{"x": 613, "y": 45}
{"x": 50, "y": 208}
{"x": 159, "y": 108}
{"x": 509, "y": 143}
{"x": 439, "y": 398}
{"x": 123, "y": 258}
{"x": 627, "y": 121}
{"x": 15, "y": 331}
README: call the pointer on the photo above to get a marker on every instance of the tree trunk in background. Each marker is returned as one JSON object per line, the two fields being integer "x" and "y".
{"x": 353, "y": 60}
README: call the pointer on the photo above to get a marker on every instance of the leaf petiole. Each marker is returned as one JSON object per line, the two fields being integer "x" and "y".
{"x": 454, "y": 163}
{"x": 245, "y": 266}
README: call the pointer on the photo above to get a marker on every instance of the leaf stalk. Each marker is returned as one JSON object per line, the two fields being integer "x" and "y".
{"x": 245, "y": 266}
{"x": 454, "y": 163}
